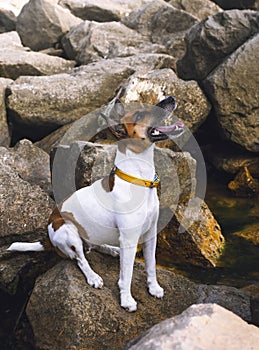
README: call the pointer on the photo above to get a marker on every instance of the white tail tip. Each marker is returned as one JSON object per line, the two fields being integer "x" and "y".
{"x": 26, "y": 247}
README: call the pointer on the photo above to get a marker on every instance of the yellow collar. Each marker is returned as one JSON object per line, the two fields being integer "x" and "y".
{"x": 137, "y": 180}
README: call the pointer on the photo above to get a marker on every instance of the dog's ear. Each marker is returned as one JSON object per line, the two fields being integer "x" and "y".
{"x": 168, "y": 104}
{"x": 113, "y": 114}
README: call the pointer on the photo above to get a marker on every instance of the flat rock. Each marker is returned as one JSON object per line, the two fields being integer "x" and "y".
{"x": 231, "y": 90}
{"x": 92, "y": 41}
{"x": 197, "y": 8}
{"x": 4, "y": 131}
{"x": 211, "y": 41}
{"x": 93, "y": 318}
{"x": 199, "y": 327}
{"x": 100, "y": 11}
{"x": 193, "y": 106}
{"x": 42, "y": 23}
{"x": 249, "y": 233}
{"x": 59, "y": 99}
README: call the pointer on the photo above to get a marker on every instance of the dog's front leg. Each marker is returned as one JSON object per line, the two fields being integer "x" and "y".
{"x": 127, "y": 257}
{"x": 149, "y": 252}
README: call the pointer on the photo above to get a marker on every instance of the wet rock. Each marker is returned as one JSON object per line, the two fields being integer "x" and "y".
{"x": 30, "y": 162}
{"x": 231, "y": 90}
{"x": 244, "y": 184}
{"x": 84, "y": 315}
{"x": 202, "y": 327}
{"x": 16, "y": 60}
{"x": 211, "y": 41}
{"x": 42, "y": 23}
{"x": 100, "y": 11}
{"x": 151, "y": 87}
{"x": 154, "y": 21}
{"x": 56, "y": 100}
{"x": 197, "y": 8}
{"x": 193, "y": 236}
{"x": 92, "y": 41}
{"x": 4, "y": 131}
{"x": 249, "y": 233}
{"x": 23, "y": 207}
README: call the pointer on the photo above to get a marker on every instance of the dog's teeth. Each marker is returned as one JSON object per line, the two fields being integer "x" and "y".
{"x": 155, "y": 132}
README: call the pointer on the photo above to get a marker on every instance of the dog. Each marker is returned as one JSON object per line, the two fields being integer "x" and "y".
{"x": 117, "y": 212}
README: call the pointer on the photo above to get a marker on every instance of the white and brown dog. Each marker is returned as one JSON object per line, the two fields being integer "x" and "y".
{"x": 121, "y": 209}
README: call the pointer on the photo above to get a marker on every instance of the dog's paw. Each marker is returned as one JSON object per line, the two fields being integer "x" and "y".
{"x": 94, "y": 280}
{"x": 155, "y": 290}
{"x": 128, "y": 303}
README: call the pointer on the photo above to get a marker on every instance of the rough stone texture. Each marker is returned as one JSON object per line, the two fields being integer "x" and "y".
{"x": 7, "y": 20}
{"x": 92, "y": 41}
{"x": 154, "y": 21}
{"x": 23, "y": 207}
{"x": 16, "y": 60}
{"x": 209, "y": 42}
{"x": 197, "y": 8}
{"x": 193, "y": 107}
{"x": 42, "y": 23}
{"x": 200, "y": 327}
{"x": 14, "y": 6}
{"x": 193, "y": 236}
{"x": 231, "y": 88}
{"x": 30, "y": 162}
{"x": 76, "y": 315}
{"x": 190, "y": 234}
{"x": 101, "y": 11}
{"x": 244, "y": 185}
{"x": 4, "y": 132}
{"x": 62, "y": 98}
{"x": 249, "y": 233}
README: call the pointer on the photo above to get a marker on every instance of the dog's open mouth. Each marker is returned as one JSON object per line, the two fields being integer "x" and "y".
{"x": 160, "y": 133}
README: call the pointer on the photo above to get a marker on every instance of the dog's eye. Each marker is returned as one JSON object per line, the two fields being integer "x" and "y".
{"x": 139, "y": 116}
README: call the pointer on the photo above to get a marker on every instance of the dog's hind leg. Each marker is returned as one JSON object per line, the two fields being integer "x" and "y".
{"x": 67, "y": 240}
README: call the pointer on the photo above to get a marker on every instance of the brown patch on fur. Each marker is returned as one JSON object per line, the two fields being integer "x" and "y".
{"x": 69, "y": 217}
{"x": 46, "y": 242}
{"x": 73, "y": 248}
{"x": 108, "y": 182}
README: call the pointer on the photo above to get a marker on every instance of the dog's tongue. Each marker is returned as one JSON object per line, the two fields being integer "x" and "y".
{"x": 170, "y": 128}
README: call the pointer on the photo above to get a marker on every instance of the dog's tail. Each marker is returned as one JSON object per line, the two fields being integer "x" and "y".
{"x": 39, "y": 246}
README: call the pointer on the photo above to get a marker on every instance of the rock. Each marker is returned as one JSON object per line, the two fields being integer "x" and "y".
{"x": 23, "y": 207}
{"x": 232, "y": 160}
{"x": 153, "y": 21}
{"x": 93, "y": 318}
{"x": 16, "y": 60}
{"x": 199, "y": 327}
{"x": 7, "y": 20}
{"x": 197, "y": 8}
{"x": 244, "y": 185}
{"x": 14, "y": 6}
{"x": 97, "y": 10}
{"x": 10, "y": 39}
{"x": 92, "y": 41}
{"x": 189, "y": 232}
{"x": 52, "y": 101}
{"x": 42, "y": 23}
{"x": 231, "y": 90}
{"x": 211, "y": 41}
{"x": 4, "y": 131}
{"x": 249, "y": 233}
{"x": 193, "y": 236}
{"x": 151, "y": 87}
{"x": 30, "y": 162}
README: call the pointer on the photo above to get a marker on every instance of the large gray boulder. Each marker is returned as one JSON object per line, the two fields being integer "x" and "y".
{"x": 197, "y": 8}
{"x": 92, "y": 41}
{"x": 162, "y": 23}
{"x": 42, "y": 23}
{"x": 62, "y": 98}
{"x": 99, "y": 10}
{"x": 84, "y": 316}
{"x": 231, "y": 88}
{"x": 7, "y": 20}
{"x": 16, "y": 60}
{"x": 211, "y": 41}
{"x": 4, "y": 131}
{"x": 193, "y": 106}
{"x": 199, "y": 327}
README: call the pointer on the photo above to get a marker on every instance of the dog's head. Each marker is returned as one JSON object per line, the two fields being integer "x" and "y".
{"x": 145, "y": 124}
